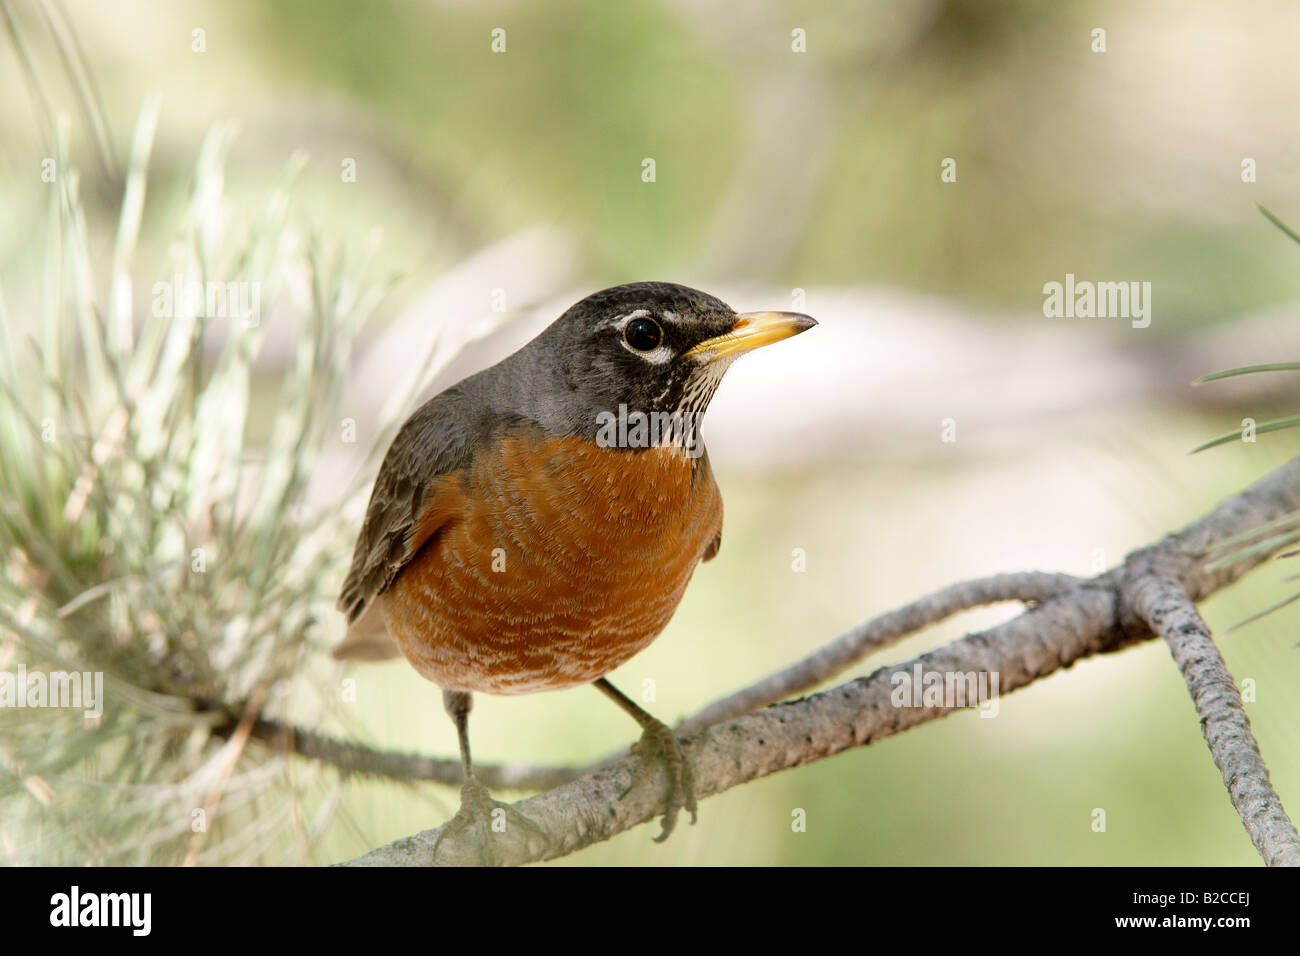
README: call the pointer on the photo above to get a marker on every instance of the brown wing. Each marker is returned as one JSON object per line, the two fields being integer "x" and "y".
{"x": 405, "y": 510}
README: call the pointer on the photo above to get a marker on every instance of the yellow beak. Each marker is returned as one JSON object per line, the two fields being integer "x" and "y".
{"x": 752, "y": 330}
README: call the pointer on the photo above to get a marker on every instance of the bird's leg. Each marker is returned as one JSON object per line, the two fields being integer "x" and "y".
{"x": 658, "y": 745}
{"x": 477, "y": 808}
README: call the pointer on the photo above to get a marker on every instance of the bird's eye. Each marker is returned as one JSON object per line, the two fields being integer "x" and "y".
{"x": 644, "y": 335}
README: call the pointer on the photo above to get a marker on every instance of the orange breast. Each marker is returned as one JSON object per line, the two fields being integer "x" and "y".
{"x": 556, "y": 562}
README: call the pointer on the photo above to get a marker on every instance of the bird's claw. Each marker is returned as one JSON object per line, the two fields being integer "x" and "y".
{"x": 478, "y": 811}
{"x": 658, "y": 745}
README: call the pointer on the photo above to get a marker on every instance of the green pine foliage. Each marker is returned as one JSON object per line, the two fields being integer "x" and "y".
{"x": 155, "y": 528}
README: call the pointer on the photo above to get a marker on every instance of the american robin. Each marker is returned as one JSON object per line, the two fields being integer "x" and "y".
{"x": 534, "y": 526}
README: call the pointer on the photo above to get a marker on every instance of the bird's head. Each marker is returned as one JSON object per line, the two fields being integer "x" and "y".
{"x": 651, "y": 348}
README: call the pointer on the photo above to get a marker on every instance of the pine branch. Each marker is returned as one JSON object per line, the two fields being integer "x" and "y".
{"x": 1165, "y": 606}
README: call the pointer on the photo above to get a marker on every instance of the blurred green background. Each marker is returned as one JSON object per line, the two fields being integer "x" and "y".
{"x": 819, "y": 171}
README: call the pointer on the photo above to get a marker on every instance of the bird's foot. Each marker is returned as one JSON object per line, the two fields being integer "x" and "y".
{"x": 489, "y": 817}
{"x": 658, "y": 745}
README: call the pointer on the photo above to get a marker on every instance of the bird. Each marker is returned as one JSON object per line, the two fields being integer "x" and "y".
{"x": 534, "y": 526}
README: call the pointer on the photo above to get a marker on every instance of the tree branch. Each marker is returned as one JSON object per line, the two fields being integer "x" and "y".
{"x": 1165, "y": 606}
{"x": 1099, "y": 615}
{"x": 880, "y": 632}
